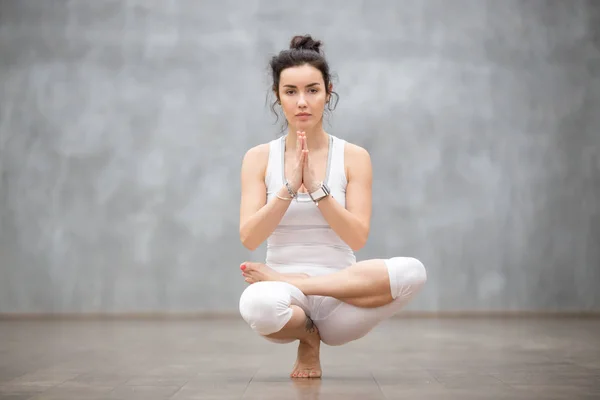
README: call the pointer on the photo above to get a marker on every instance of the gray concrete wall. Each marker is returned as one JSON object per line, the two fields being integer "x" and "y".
{"x": 123, "y": 125}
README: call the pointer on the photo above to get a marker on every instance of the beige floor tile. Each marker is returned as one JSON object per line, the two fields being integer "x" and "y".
{"x": 220, "y": 360}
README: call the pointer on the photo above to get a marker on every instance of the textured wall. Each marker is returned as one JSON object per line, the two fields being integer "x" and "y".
{"x": 123, "y": 125}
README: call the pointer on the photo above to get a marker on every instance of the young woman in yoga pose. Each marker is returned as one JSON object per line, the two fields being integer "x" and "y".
{"x": 308, "y": 194}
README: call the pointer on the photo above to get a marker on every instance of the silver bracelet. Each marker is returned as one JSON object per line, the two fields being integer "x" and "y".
{"x": 289, "y": 189}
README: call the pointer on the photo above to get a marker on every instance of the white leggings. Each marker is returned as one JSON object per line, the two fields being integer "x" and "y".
{"x": 265, "y": 306}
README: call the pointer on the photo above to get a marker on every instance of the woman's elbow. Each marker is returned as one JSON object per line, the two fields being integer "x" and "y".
{"x": 250, "y": 246}
{"x": 358, "y": 245}
{"x": 360, "y": 241}
{"x": 247, "y": 242}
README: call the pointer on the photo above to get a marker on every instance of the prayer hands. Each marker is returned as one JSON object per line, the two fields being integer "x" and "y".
{"x": 308, "y": 174}
{"x": 301, "y": 152}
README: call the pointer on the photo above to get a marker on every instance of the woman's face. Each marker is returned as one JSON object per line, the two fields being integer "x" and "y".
{"x": 303, "y": 96}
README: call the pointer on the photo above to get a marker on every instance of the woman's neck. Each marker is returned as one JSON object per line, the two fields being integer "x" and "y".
{"x": 316, "y": 138}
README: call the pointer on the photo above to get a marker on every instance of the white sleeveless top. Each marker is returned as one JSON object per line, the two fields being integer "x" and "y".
{"x": 303, "y": 241}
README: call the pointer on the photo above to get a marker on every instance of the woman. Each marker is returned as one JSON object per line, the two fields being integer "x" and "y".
{"x": 308, "y": 194}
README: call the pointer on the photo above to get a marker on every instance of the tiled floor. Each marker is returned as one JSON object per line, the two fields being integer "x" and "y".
{"x": 412, "y": 359}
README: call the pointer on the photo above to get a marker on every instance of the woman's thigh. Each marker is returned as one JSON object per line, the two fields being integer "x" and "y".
{"x": 340, "y": 322}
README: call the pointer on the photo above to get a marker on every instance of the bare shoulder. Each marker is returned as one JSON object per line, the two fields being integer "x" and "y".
{"x": 256, "y": 158}
{"x": 358, "y": 160}
{"x": 257, "y": 152}
{"x": 355, "y": 151}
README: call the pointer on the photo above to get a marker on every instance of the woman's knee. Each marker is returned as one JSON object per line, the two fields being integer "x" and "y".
{"x": 419, "y": 273}
{"x": 265, "y": 306}
{"x": 406, "y": 272}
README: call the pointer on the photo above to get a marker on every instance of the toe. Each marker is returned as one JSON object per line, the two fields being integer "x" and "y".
{"x": 252, "y": 265}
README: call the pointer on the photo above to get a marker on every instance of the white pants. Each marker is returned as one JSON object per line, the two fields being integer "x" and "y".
{"x": 265, "y": 306}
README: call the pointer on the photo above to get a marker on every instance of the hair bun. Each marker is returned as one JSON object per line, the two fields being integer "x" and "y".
{"x": 305, "y": 42}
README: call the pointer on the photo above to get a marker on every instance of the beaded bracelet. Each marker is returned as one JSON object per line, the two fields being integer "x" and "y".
{"x": 289, "y": 189}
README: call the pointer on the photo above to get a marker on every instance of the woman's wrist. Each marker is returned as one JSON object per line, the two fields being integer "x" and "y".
{"x": 312, "y": 187}
{"x": 286, "y": 192}
{"x": 292, "y": 187}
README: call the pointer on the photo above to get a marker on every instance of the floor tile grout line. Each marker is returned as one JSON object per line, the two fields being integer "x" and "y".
{"x": 249, "y": 382}
{"x": 434, "y": 377}
{"x": 178, "y": 390}
{"x": 378, "y": 385}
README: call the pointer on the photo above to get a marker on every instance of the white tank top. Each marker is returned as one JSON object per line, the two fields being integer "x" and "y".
{"x": 303, "y": 241}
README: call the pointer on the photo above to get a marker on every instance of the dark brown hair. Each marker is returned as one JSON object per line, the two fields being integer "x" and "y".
{"x": 303, "y": 50}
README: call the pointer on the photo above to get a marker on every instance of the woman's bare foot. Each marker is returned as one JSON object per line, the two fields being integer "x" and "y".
{"x": 258, "y": 272}
{"x": 308, "y": 364}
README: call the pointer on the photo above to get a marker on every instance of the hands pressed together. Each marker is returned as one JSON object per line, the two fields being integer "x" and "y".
{"x": 303, "y": 174}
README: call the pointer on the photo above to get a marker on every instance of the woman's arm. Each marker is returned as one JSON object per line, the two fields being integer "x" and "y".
{"x": 258, "y": 219}
{"x": 352, "y": 224}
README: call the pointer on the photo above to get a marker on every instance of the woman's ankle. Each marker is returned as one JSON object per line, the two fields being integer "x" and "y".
{"x": 310, "y": 333}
